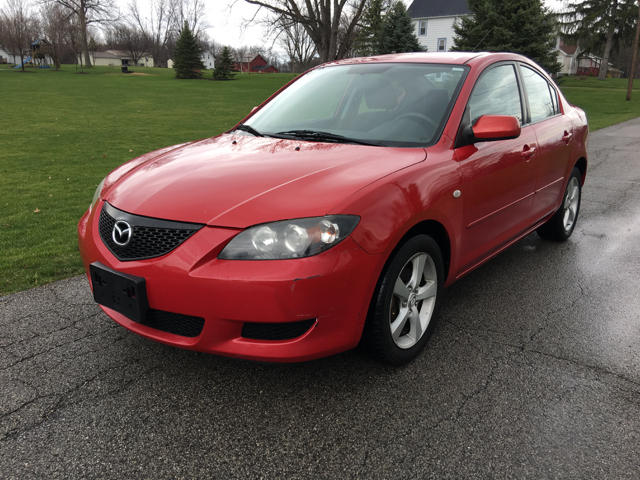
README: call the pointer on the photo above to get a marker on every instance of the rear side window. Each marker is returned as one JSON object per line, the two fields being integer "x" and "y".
{"x": 496, "y": 93}
{"x": 541, "y": 101}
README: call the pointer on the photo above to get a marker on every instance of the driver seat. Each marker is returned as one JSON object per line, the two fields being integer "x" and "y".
{"x": 433, "y": 104}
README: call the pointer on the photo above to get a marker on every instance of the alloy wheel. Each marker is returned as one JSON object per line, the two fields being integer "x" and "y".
{"x": 413, "y": 300}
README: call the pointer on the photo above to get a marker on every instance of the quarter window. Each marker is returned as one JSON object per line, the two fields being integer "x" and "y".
{"x": 541, "y": 102}
{"x": 496, "y": 93}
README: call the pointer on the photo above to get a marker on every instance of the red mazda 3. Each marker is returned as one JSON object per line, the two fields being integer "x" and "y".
{"x": 337, "y": 211}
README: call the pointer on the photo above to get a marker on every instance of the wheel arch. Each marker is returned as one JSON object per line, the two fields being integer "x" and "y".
{"x": 581, "y": 165}
{"x": 435, "y": 230}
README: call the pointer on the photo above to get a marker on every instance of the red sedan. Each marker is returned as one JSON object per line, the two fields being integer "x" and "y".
{"x": 336, "y": 212}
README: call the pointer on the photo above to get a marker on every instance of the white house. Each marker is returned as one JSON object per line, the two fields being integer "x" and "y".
{"x": 6, "y": 57}
{"x": 207, "y": 59}
{"x": 117, "y": 58}
{"x": 568, "y": 57}
{"x": 434, "y": 21}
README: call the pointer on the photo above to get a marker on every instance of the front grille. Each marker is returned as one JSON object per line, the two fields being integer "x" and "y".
{"x": 276, "y": 331}
{"x": 175, "y": 323}
{"x": 150, "y": 237}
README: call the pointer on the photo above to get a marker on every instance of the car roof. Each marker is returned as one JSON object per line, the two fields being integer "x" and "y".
{"x": 450, "y": 58}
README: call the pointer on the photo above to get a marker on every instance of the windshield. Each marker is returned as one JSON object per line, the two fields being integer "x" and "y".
{"x": 391, "y": 104}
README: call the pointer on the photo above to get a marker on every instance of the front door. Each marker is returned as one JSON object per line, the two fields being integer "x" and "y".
{"x": 498, "y": 177}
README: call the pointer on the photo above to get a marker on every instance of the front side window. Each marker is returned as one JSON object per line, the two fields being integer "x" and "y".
{"x": 496, "y": 93}
{"x": 393, "y": 104}
{"x": 541, "y": 102}
{"x": 423, "y": 27}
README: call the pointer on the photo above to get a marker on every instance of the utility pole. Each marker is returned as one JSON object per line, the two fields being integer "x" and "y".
{"x": 633, "y": 58}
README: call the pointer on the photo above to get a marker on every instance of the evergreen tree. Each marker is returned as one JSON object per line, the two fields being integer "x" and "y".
{"x": 600, "y": 24}
{"x": 520, "y": 26}
{"x": 368, "y": 39}
{"x": 224, "y": 66}
{"x": 186, "y": 56}
{"x": 396, "y": 35}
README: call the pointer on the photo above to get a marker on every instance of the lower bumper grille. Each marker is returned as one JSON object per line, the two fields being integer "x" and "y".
{"x": 176, "y": 323}
{"x": 276, "y": 331}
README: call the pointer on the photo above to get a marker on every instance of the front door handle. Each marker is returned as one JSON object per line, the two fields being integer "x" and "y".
{"x": 567, "y": 137}
{"x": 528, "y": 152}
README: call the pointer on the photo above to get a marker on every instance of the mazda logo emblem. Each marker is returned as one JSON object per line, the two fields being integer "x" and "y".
{"x": 122, "y": 233}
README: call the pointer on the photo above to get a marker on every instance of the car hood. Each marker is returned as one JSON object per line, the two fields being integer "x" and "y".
{"x": 238, "y": 181}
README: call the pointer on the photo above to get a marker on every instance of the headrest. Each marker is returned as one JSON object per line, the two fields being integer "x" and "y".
{"x": 381, "y": 97}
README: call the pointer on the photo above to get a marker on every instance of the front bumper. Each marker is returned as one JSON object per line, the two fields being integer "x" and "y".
{"x": 334, "y": 288}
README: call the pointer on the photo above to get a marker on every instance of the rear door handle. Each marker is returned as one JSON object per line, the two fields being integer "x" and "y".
{"x": 528, "y": 152}
{"x": 567, "y": 137}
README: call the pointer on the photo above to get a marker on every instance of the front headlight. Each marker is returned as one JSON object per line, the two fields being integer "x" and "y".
{"x": 96, "y": 196}
{"x": 303, "y": 237}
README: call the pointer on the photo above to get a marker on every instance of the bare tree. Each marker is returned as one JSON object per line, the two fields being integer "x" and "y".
{"x": 75, "y": 39}
{"x": 159, "y": 28}
{"x": 89, "y": 12}
{"x": 297, "y": 45}
{"x": 131, "y": 40}
{"x": 55, "y": 27}
{"x": 209, "y": 45}
{"x": 347, "y": 35}
{"x": 193, "y": 12}
{"x": 161, "y": 22}
{"x": 20, "y": 28}
{"x": 3, "y": 27}
{"x": 110, "y": 40}
{"x": 242, "y": 55}
{"x": 321, "y": 20}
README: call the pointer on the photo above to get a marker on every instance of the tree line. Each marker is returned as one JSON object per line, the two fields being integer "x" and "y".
{"x": 74, "y": 29}
{"x": 300, "y": 32}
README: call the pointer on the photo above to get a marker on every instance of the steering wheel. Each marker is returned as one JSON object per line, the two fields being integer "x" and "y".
{"x": 420, "y": 116}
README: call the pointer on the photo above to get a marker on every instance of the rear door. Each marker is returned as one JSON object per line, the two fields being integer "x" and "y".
{"x": 554, "y": 132}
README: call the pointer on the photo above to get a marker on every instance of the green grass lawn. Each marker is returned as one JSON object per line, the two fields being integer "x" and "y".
{"x": 62, "y": 133}
{"x": 602, "y": 100}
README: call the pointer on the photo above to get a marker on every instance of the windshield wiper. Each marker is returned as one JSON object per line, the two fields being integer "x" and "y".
{"x": 314, "y": 135}
{"x": 247, "y": 128}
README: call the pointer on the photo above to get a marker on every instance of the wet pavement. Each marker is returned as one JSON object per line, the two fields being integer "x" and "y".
{"x": 533, "y": 371}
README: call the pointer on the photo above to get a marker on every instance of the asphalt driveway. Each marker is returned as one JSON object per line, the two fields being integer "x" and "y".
{"x": 533, "y": 371}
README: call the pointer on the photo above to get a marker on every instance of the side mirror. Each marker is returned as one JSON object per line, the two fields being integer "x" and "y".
{"x": 490, "y": 128}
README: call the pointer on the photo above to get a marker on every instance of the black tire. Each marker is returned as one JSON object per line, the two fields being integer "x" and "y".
{"x": 560, "y": 227}
{"x": 387, "y": 307}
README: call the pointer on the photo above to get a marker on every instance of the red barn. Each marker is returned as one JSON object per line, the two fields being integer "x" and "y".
{"x": 256, "y": 64}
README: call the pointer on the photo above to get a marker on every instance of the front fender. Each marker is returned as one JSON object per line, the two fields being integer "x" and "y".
{"x": 395, "y": 204}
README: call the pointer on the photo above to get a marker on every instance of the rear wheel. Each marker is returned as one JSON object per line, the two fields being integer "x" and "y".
{"x": 405, "y": 305}
{"x": 560, "y": 227}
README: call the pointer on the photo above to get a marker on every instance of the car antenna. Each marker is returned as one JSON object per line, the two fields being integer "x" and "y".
{"x": 485, "y": 36}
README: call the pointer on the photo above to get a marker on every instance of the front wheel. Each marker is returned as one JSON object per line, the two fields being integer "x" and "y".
{"x": 405, "y": 304}
{"x": 560, "y": 227}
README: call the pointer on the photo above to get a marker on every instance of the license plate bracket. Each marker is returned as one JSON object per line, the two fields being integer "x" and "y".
{"x": 124, "y": 293}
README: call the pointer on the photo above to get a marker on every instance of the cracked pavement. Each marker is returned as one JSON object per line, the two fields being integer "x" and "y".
{"x": 533, "y": 371}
